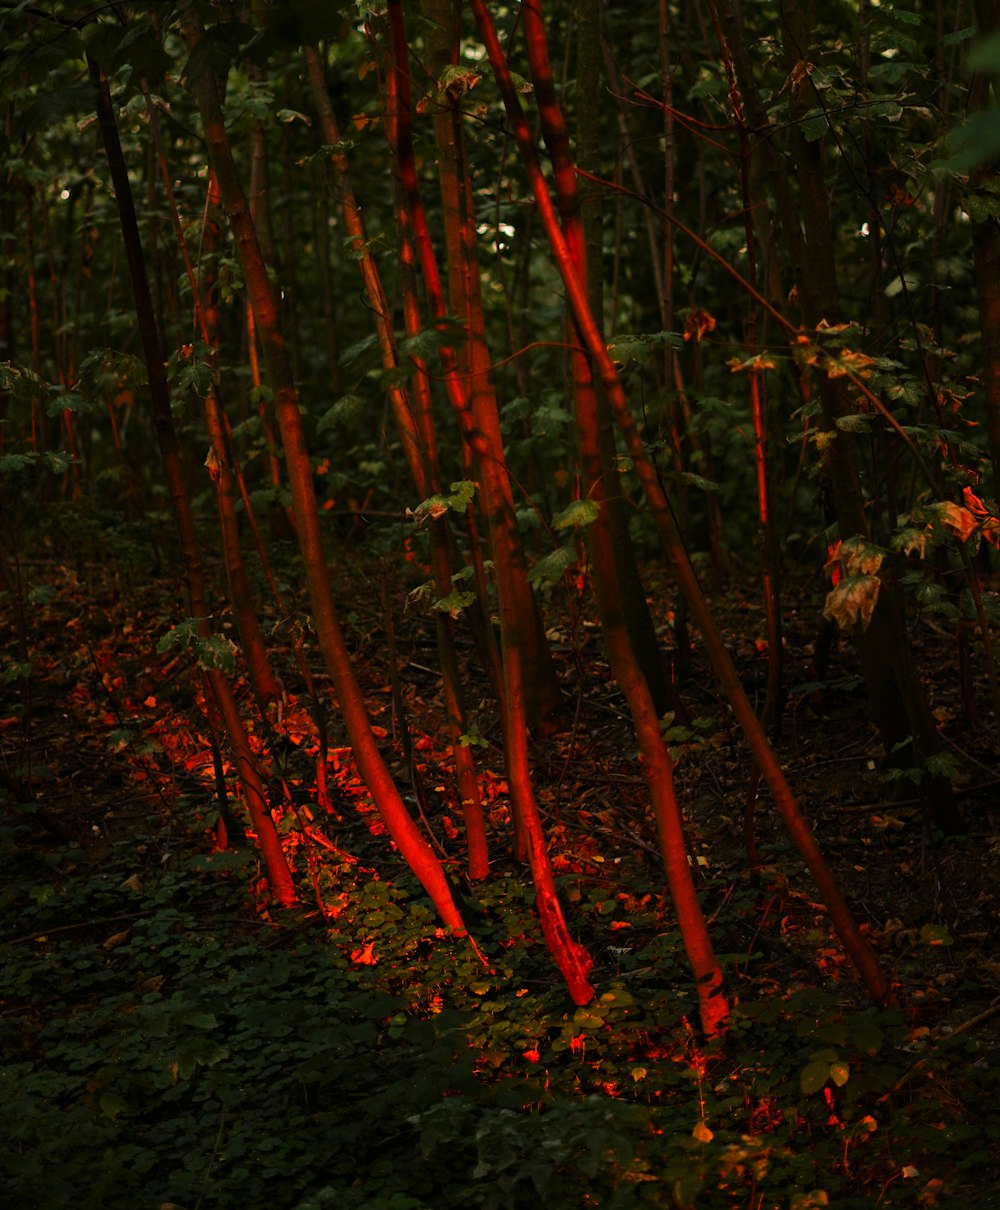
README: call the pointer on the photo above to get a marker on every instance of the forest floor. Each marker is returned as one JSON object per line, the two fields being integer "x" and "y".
{"x": 140, "y": 962}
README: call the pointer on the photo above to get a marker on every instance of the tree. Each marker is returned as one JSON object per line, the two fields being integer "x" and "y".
{"x": 452, "y": 334}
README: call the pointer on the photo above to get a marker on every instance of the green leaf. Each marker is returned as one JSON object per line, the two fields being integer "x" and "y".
{"x": 942, "y": 764}
{"x": 639, "y": 348}
{"x": 985, "y": 55}
{"x": 213, "y": 651}
{"x": 899, "y": 284}
{"x": 454, "y": 603}
{"x": 840, "y": 1073}
{"x": 111, "y": 1105}
{"x": 347, "y": 411}
{"x": 814, "y": 127}
{"x": 102, "y": 40}
{"x": 550, "y": 420}
{"x": 196, "y": 1018}
{"x": 553, "y": 567}
{"x": 425, "y": 344}
{"x": 981, "y": 207}
{"x": 813, "y": 1076}
{"x": 854, "y": 422}
{"x": 974, "y": 143}
{"x": 436, "y": 506}
{"x": 142, "y": 50}
{"x": 16, "y": 462}
{"x": 892, "y": 111}
{"x": 577, "y": 515}
{"x": 706, "y": 485}
{"x": 57, "y": 462}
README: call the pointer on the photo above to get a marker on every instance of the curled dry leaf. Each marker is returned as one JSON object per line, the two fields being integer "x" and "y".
{"x": 972, "y": 519}
{"x": 853, "y": 600}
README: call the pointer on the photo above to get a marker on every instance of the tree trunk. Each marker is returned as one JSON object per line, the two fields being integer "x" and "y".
{"x": 572, "y": 959}
{"x": 415, "y": 421}
{"x": 637, "y": 616}
{"x": 857, "y": 948}
{"x": 899, "y": 706}
{"x": 986, "y": 258}
{"x": 278, "y": 874}
{"x": 542, "y": 694}
{"x": 402, "y": 828}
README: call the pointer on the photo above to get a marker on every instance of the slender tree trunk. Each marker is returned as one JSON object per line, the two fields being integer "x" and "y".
{"x": 402, "y": 828}
{"x": 624, "y": 664}
{"x": 986, "y": 258}
{"x": 573, "y": 960}
{"x": 857, "y": 948}
{"x": 220, "y": 459}
{"x": 278, "y": 874}
{"x": 638, "y": 618}
{"x": 898, "y": 702}
{"x": 415, "y": 421}
{"x": 542, "y": 694}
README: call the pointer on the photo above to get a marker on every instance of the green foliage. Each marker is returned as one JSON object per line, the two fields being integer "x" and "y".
{"x": 162, "y": 1042}
{"x": 549, "y": 570}
{"x": 347, "y": 411}
{"x": 212, "y": 651}
{"x": 458, "y": 500}
{"x": 576, "y": 515}
{"x": 193, "y": 368}
{"x": 186, "y": 1050}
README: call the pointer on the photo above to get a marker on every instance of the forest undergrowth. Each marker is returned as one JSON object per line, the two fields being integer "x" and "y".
{"x": 171, "y": 1038}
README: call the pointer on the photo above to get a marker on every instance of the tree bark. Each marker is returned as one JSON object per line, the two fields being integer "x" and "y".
{"x": 278, "y": 875}
{"x": 899, "y": 707}
{"x": 402, "y": 828}
{"x": 857, "y": 948}
{"x": 572, "y": 959}
{"x": 415, "y": 421}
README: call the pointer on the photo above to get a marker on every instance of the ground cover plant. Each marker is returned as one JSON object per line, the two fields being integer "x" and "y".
{"x": 171, "y": 1037}
{"x": 499, "y": 592}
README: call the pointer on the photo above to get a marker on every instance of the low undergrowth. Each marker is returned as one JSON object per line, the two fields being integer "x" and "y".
{"x": 167, "y": 1042}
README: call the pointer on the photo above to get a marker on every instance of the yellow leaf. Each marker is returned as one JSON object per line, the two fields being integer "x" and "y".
{"x": 853, "y": 600}
{"x": 848, "y": 361}
{"x": 956, "y": 520}
{"x": 702, "y": 1133}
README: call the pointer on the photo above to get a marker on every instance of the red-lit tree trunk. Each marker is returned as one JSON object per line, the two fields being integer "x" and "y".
{"x": 221, "y": 470}
{"x": 857, "y": 948}
{"x": 415, "y": 421}
{"x": 542, "y": 695}
{"x": 657, "y": 765}
{"x": 401, "y": 826}
{"x": 638, "y": 617}
{"x": 278, "y": 875}
{"x": 497, "y": 503}
{"x": 220, "y": 460}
